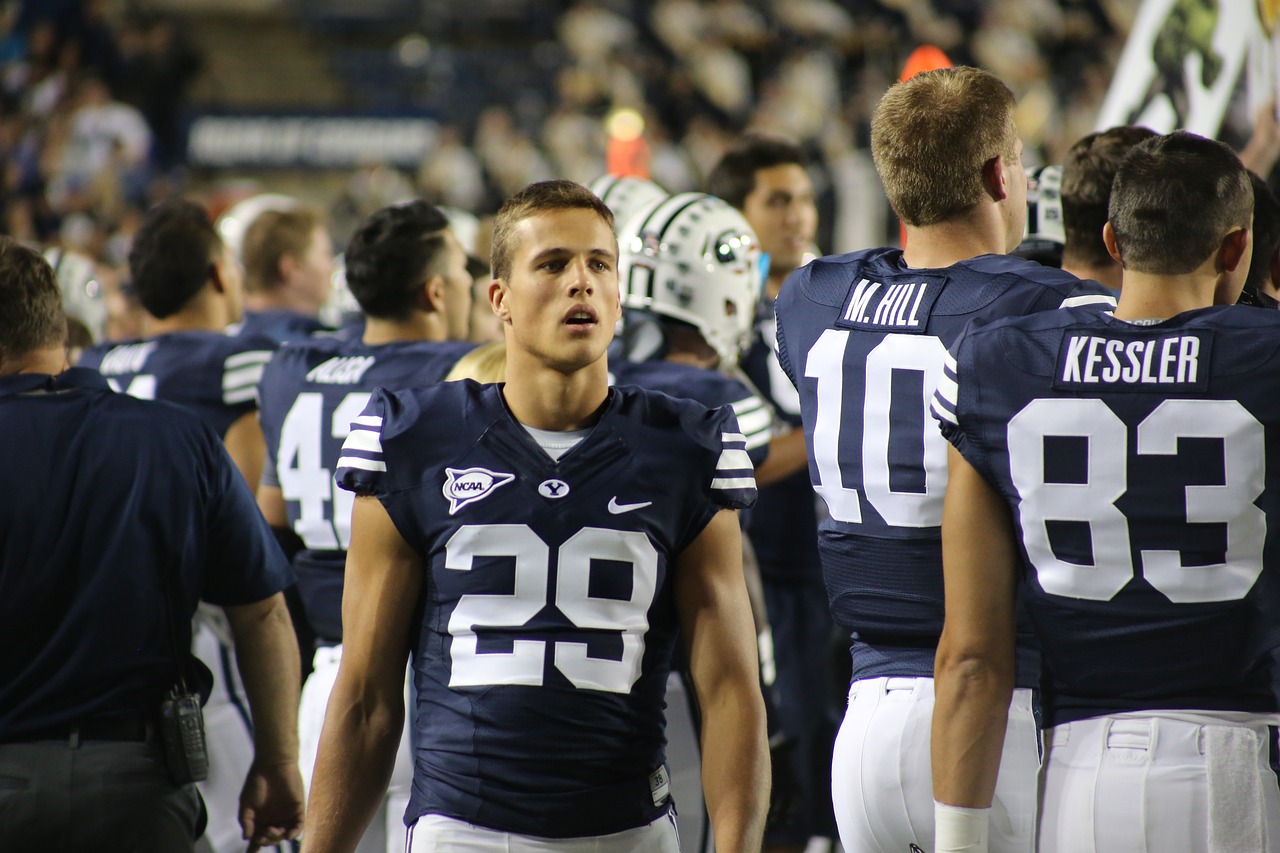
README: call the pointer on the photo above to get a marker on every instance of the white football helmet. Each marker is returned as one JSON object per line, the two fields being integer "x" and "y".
{"x": 694, "y": 258}
{"x": 626, "y": 196}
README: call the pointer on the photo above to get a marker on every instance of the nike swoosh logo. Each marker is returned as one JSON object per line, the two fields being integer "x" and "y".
{"x": 617, "y": 508}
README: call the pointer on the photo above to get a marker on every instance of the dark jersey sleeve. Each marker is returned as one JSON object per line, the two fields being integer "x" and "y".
{"x": 362, "y": 468}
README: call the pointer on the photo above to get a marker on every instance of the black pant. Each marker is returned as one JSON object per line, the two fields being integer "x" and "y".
{"x": 94, "y": 795}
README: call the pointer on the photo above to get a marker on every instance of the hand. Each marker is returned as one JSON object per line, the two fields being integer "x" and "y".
{"x": 271, "y": 804}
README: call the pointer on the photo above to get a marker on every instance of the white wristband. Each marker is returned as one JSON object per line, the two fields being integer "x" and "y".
{"x": 960, "y": 830}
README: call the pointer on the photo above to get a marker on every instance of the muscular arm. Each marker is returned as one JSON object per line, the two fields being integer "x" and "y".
{"x": 362, "y": 724}
{"x": 787, "y": 455}
{"x": 247, "y": 447}
{"x": 973, "y": 672}
{"x": 267, "y": 655}
{"x": 271, "y": 504}
{"x": 716, "y": 620}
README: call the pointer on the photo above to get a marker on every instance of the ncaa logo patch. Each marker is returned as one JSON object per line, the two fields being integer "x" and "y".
{"x": 464, "y": 486}
{"x": 553, "y": 489}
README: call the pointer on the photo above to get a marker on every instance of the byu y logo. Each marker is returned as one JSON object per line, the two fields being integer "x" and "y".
{"x": 463, "y": 486}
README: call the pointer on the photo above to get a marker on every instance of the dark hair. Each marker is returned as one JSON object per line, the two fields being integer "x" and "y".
{"x": 172, "y": 254}
{"x": 1174, "y": 199}
{"x": 1087, "y": 172}
{"x": 734, "y": 177}
{"x": 533, "y": 200}
{"x": 391, "y": 254}
{"x": 1266, "y": 235}
{"x": 271, "y": 236}
{"x": 931, "y": 135}
{"x": 31, "y": 315}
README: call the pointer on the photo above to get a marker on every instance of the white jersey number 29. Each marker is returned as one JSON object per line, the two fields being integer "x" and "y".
{"x": 1093, "y": 502}
{"x": 922, "y": 354}
{"x": 571, "y": 596}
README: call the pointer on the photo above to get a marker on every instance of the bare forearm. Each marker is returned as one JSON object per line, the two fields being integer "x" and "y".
{"x": 267, "y": 657}
{"x": 970, "y": 713}
{"x": 356, "y": 756}
{"x": 735, "y": 768}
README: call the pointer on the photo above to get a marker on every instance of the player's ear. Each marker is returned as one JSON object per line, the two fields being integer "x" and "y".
{"x": 995, "y": 178}
{"x": 431, "y": 295}
{"x": 498, "y": 299}
{"x": 215, "y": 278}
{"x": 1234, "y": 248}
{"x": 1109, "y": 240}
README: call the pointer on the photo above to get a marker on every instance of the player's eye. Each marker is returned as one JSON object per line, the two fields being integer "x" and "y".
{"x": 552, "y": 266}
{"x": 601, "y": 266}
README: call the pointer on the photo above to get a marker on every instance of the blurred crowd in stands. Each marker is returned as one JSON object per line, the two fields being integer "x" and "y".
{"x": 95, "y": 97}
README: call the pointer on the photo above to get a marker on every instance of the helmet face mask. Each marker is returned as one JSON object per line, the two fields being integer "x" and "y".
{"x": 694, "y": 258}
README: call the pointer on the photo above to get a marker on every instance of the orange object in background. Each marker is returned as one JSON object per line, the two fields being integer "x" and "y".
{"x": 627, "y": 151}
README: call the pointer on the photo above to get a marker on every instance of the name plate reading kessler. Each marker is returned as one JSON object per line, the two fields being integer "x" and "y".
{"x": 896, "y": 304}
{"x": 1137, "y": 360}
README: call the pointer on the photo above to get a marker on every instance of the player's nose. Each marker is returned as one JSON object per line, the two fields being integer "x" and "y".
{"x": 580, "y": 280}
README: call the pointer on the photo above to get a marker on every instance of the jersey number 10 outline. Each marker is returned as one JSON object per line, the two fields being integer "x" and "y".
{"x": 524, "y": 664}
{"x": 308, "y": 482}
{"x": 923, "y": 354}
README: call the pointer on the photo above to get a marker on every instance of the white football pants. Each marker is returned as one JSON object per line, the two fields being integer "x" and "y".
{"x": 882, "y": 784}
{"x": 433, "y": 833}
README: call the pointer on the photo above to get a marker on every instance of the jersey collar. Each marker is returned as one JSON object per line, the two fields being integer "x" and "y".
{"x": 75, "y": 377}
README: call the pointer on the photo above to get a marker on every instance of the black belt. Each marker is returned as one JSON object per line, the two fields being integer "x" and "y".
{"x": 129, "y": 727}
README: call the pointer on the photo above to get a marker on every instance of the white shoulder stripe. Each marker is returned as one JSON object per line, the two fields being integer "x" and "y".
{"x": 367, "y": 420}
{"x": 734, "y": 460}
{"x": 362, "y": 464}
{"x": 733, "y": 483}
{"x": 240, "y": 359}
{"x": 242, "y": 376}
{"x": 247, "y": 394}
{"x": 948, "y": 389}
{"x": 363, "y": 439}
{"x": 950, "y": 363}
{"x": 747, "y": 404}
{"x": 941, "y": 412}
{"x": 732, "y": 437}
{"x": 754, "y": 422}
{"x": 1088, "y": 299}
{"x": 759, "y": 438}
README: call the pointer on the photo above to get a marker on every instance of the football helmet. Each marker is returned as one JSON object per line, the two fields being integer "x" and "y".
{"x": 693, "y": 257}
{"x": 1045, "y": 234}
{"x": 626, "y": 196}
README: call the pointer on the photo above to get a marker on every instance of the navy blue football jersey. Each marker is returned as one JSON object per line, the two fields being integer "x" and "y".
{"x": 783, "y": 527}
{"x": 548, "y": 614}
{"x": 209, "y": 373}
{"x": 864, "y": 338}
{"x": 1141, "y": 465}
{"x": 278, "y": 324}
{"x": 309, "y": 394}
{"x": 710, "y": 388}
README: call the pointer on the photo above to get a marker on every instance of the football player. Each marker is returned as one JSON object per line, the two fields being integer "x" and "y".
{"x": 864, "y": 337}
{"x": 191, "y": 286}
{"x": 766, "y": 178}
{"x": 288, "y": 266}
{"x": 1114, "y": 472}
{"x": 537, "y": 552}
{"x": 408, "y": 272}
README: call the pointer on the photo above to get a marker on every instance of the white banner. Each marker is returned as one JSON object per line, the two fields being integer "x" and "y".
{"x": 318, "y": 141}
{"x": 1181, "y": 64}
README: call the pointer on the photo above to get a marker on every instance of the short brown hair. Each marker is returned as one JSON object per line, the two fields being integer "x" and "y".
{"x": 535, "y": 199}
{"x": 932, "y": 134}
{"x": 271, "y": 236}
{"x": 1087, "y": 172}
{"x": 734, "y": 177}
{"x": 1174, "y": 199}
{"x": 31, "y": 315}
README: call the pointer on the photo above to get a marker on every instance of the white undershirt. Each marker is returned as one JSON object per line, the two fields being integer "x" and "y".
{"x": 555, "y": 443}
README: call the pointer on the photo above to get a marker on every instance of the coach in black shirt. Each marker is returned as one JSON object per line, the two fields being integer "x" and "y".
{"x": 120, "y": 515}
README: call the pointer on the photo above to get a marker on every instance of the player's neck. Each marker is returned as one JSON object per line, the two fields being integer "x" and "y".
{"x": 1108, "y": 275}
{"x": 773, "y": 284}
{"x": 1147, "y": 296}
{"x": 280, "y": 299}
{"x": 51, "y": 360}
{"x": 204, "y": 312}
{"x": 417, "y": 327}
{"x": 545, "y": 398}
{"x": 947, "y": 243}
